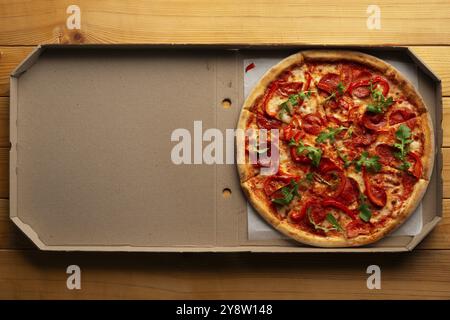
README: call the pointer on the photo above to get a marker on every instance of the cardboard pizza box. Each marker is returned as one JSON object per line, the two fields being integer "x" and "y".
{"x": 92, "y": 158}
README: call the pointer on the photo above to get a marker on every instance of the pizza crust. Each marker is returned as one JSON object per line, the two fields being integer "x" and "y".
{"x": 392, "y": 75}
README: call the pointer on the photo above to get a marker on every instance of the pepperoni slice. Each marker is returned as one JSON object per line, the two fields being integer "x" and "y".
{"x": 288, "y": 88}
{"x": 360, "y": 74}
{"x": 266, "y": 123}
{"x": 400, "y": 116}
{"x": 408, "y": 182}
{"x": 350, "y": 191}
{"x": 356, "y": 228}
{"x": 329, "y": 82}
{"x": 312, "y": 124}
{"x": 315, "y": 209}
{"x": 326, "y": 165}
{"x": 386, "y": 153}
{"x": 373, "y": 121}
{"x": 361, "y": 92}
{"x": 362, "y": 137}
{"x": 376, "y": 194}
{"x": 274, "y": 183}
{"x": 345, "y": 102}
{"x": 416, "y": 168}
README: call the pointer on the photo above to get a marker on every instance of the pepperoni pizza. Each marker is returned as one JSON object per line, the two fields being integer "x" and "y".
{"x": 356, "y": 148}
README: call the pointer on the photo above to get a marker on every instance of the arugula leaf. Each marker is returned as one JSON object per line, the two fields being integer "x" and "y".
{"x": 288, "y": 192}
{"x": 403, "y": 135}
{"x": 331, "y": 219}
{"x": 340, "y": 88}
{"x": 380, "y": 103}
{"x": 370, "y": 163}
{"x": 329, "y": 135}
{"x": 344, "y": 157}
{"x": 314, "y": 154}
{"x": 364, "y": 212}
{"x": 292, "y": 101}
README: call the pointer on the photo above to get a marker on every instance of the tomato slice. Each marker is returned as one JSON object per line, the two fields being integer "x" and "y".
{"x": 400, "y": 116}
{"x": 312, "y": 123}
{"x": 329, "y": 82}
{"x": 380, "y": 81}
{"x": 266, "y": 123}
{"x": 376, "y": 194}
{"x": 338, "y": 205}
{"x": 299, "y": 158}
{"x": 297, "y": 215}
{"x": 274, "y": 183}
{"x": 315, "y": 210}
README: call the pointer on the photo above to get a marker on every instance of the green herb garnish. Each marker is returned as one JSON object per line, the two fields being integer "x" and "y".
{"x": 340, "y": 88}
{"x": 380, "y": 103}
{"x": 370, "y": 163}
{"x": 314, "y": 154}
{"x": 329, "y": 135}
{"x": 288, "y": 192}
{"x": 344, "y": 157}
{"x": 364, "y": 212}
{"x": 403, "y": 135}
{"x": 331, "y": 219}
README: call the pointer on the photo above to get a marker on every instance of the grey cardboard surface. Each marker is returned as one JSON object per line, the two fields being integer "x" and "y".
{"x": 90, "y": 156}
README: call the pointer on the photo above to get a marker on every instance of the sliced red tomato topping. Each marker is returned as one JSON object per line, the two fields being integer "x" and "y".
{"x": 268, "y": 95}
{"x": 266, "y": 123}
{"x": 350, "y": 191}
{"x": 329, "y": 82}
{"x": 299, "y": 158}
{"x": 356, "y": 228}
{"x": 380, "y": 81}
{"x": 374, "y": 121}
{"x": 338, "y": 205}
{"x": 308, "y": 81}
{"x": 401, "y": 115}
{"x": 376, "y": 194}
{"x": 297, "y": 215}
{"x": 416, "y": 164}
{"x": 274, "y": 183}
{"x": 312, "y": 123}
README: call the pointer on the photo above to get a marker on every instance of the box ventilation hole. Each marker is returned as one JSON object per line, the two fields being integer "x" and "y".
{"x": 226, "y": 193}
{"x": 226, "y": 103}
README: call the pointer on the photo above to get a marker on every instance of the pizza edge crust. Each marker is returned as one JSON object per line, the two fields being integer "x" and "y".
{"x": 427, "y": 160}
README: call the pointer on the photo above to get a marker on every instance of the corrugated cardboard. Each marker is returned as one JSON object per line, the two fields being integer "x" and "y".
{"x": 90, "y": 165}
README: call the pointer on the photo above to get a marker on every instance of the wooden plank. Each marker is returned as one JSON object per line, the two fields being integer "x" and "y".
{"x": 446, "y": 172}
{"x": 446, "y": 122}
{"x": 4, "y": 122}
{"x": 4, "y": 173}
{"x": 10, "y": 57}
{"x": 438, "y": 60}
{"x": 31, "y": 275}
{"x": 226, "y": 21}
{"x": 10, "y": 236}
{"x": 439, "y": 238}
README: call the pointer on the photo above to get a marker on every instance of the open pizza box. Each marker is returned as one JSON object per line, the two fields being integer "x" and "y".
{"x": 91, "y": 164}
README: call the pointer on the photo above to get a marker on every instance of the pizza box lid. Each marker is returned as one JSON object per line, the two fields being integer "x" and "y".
{"x": 91, "y": 131}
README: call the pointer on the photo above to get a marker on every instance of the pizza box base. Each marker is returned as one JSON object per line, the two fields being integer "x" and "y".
{"x": 90, "y": 164}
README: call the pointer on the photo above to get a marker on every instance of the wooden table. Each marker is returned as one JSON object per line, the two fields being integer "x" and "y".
{"x": 27, "y": 273}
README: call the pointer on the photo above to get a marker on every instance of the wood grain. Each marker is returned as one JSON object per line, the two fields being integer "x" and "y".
{"x": 31, "y": 275}
{"x": 226, "y": 21}
{"x": 4, "y": 122}
{"x": 10, "y": 236}
{"x": 4, "y": 173}
{"x": 10, "y": 57}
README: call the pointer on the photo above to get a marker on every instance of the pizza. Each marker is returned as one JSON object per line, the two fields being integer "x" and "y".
{"x": 355, "y": 147}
